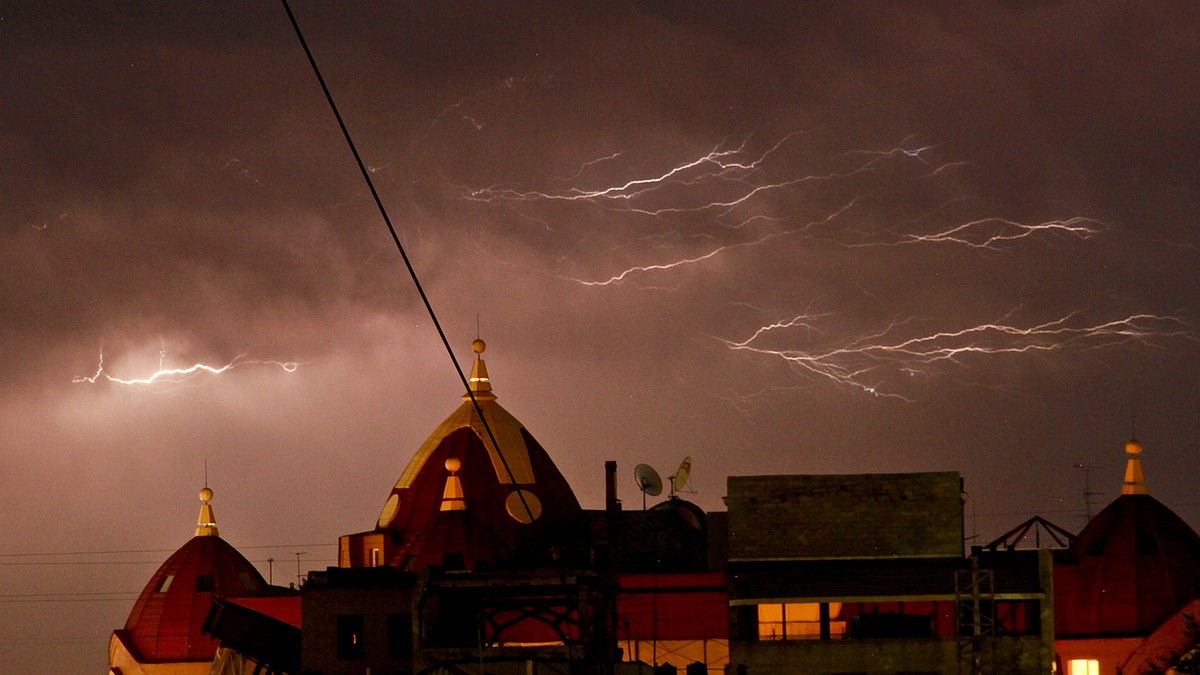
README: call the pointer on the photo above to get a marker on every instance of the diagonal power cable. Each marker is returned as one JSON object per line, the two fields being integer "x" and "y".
{"x": 362, "y": 167}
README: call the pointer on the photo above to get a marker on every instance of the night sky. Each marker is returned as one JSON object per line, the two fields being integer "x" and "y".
{"x": 784, "y": 238}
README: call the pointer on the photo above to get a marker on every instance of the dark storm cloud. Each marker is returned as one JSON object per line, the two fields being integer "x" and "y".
{"x": 174, "y": 181}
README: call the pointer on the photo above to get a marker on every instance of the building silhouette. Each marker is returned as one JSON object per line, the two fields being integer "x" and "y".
{"x": 482, "y": 561}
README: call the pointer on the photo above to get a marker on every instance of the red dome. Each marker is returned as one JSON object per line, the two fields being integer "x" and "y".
{"x": 1133, "y": 565}
{"x": 166, "y": 619}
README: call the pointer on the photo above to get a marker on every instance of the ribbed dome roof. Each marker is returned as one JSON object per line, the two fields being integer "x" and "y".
{"x": 1129, "y": 569}
{"x": 165, "y": 624}
{"x": 514, "y": 492}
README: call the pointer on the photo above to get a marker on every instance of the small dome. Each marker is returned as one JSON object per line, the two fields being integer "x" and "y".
{"x": 165, "y": 623}
{"x": 1130, "y": 568}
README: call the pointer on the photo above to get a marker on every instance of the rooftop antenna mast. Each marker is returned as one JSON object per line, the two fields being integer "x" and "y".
{"x": 1087, "y": 488}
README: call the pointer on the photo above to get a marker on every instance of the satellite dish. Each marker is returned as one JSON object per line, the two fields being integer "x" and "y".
{"x": 680, "y": 478}
{"x": 648, "y": 482}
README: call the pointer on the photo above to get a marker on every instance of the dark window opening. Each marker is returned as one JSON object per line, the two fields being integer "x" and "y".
{"x": 350, "y": 638}
{"x": 891, "y": 625}
{"x": 165, "y": 584}
{"x": 204, "y": 583}
{"x": 1147, "y": 544}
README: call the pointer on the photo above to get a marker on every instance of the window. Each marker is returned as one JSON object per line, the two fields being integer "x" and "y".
{"x": 1083, "y": 667}
{"x": 1147, "y": 544}
{"x": 374, "y": 557}
{"x": 799, "y": 621}
{"x": 350, "y": 637}
{"x": 204, "y": 583}
{"x": 165, "y": 584}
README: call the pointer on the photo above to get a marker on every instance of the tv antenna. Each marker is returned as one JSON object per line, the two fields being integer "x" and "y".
{"x": 679, "y": 479}
{"x": 1087, "y": 488}
{"x": 648, "y": 481}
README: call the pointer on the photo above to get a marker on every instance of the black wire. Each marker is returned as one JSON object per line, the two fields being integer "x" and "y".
{"x": 403, "y": 254}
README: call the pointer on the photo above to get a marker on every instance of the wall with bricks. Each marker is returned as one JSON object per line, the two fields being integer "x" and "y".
{"x": 851, "y": 516}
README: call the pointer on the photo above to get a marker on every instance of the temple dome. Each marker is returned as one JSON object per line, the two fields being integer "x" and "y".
{"x": 1130, "y": 568}
{"x": 513, "y": 491}
{"x": 165, "y": 623}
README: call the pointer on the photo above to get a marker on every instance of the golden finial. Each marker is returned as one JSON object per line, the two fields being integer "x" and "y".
{"x": 1135, "y": 481}
{"x": 206, "y": 524}
{"x": 480, "y": 384}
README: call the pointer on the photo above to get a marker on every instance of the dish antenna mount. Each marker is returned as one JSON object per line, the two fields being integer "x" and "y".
{"x": 648, "y": 481}
{"x": 679, "y": 479}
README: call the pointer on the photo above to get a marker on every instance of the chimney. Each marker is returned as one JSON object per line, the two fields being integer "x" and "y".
{"x": 611, "y": 503}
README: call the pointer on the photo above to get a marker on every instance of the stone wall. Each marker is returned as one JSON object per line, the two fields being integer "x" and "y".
{"x": 850, "y": 516}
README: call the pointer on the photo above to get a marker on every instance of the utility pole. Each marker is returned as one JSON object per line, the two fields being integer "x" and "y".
{"x": 299, "y": 575}
{"x": 271, "y": 571}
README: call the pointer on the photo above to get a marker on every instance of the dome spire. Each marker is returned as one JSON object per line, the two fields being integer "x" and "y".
{"x": 206, "y": 524}
{"x": 480, "y": 385}
{"x": 1135, "y": 482}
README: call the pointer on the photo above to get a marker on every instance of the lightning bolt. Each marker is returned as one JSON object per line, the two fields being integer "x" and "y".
{"x": 46, "y": 224}
{"x": 237, "y": 165}
{"x": 992, "y": 232}
{"x": 620, "y": 277}
{"x": 724, "y": 191}
{"x": 864, "y": 362}
{"x": 165, "y": 375}
{"x": 735, "y": 196}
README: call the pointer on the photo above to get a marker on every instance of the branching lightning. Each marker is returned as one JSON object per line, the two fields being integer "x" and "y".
{"x": 737, "y": 197}
{"x": 179, "y": 376}
{"x": 781, "y": 197}
{"x": 992, "y": 232}
{"x": 864, "y": 363}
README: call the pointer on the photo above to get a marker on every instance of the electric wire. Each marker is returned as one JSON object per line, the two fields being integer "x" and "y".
{"x": 362, "y": 167}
